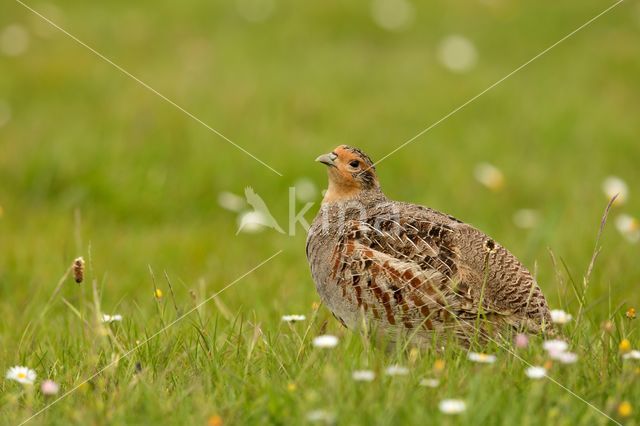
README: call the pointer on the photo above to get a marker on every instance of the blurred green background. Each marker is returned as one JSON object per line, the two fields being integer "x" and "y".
{"x": 94, "y": 164}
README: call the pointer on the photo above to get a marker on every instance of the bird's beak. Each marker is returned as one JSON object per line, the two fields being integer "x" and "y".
{"x": 327, "y": 159}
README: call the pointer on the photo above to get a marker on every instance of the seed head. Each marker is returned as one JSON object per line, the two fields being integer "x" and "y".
{"x": 78, "y": 269}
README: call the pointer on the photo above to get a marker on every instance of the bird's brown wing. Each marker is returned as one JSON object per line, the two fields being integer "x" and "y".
{"x": 409, "y": 265}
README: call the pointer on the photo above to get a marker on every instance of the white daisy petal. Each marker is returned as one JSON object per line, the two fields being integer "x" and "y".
{"x": 559, "y": 316}
{"x": 613, "y": 185}
{"x": 230, "y": 201}
{"x": 430, "y": 383}
{"x": 392, "y": 15}
{"x": 567, "y": 358}
{"x": 321, "y": 416}
{"x": 489, "y": 176}
{"x": 325, "y": 341}
{"x": 111, "y": 318}
{"x": 481, "y": 358}
{"x": 363, "y": 375}
{"x": 305, "y": 190}
{"x": 457, "y": 53}
{"x": 555, "y": 346}
{"x": 535, "y": 372}
{"x": 22, "y": 375}
{"x": 396, "y": 370}
{"x": 293, "y": 318}
{"x": 452, "y": 406}
{"x": 634, "y": 354}
{"x": 628, "y": 227}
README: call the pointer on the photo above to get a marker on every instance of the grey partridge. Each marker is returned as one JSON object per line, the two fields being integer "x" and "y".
{"x": 407, "y": 268}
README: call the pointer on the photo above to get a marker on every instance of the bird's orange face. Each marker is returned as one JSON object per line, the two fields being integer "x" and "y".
{"x": 350, "y": 172}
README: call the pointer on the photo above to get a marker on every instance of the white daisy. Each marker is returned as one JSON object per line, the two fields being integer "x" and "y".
{"x": 305, "y": 190}
{"x": 628, "y": 227}
{"x": 526, "y": 218}
{"x": 632, "y": 355}
{"x": 555, "y": 346}
{"x": 489, "y": 175}
{"x": 535, "y": 372}
{"x": 613, "y": 185}
{"x": 293, "y": 318}
{"x": 321, "y": 416}
{"x": 481, "y": 358}
{"x": 363, "y": 375}
{"x": 14, "y": 40}
{"x": 392, "y": 15}
{"x": 396, "y": 370}
{"x": 457, "y": 53}
{"x": 558, "y": 316}
{"x": 430, "y": 383}
{"x": 230, "y": 201}
{"x": 111, "y": 318}
{"x": 566, "y": 357}
{"x": 22, "y": 375}
{"x": 325, "y": 341}
{"x": 452, "y": 406}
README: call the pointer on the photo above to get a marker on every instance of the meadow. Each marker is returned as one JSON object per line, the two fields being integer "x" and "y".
{"x": 94, "y": 164}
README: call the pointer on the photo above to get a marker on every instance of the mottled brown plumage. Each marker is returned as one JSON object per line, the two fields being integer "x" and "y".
{"x": 408, "y": 268}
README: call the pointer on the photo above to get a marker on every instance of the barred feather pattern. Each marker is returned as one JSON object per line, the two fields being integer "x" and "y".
{"x": 406, "y": 267}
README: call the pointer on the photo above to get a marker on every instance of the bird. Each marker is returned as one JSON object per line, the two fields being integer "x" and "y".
{"x": 406, "y": 269}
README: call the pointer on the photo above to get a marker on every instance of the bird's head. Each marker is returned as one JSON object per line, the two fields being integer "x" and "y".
{"x": 351, "y": 172}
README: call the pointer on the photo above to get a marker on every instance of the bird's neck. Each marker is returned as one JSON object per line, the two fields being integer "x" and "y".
{"x": 340, "y": 192}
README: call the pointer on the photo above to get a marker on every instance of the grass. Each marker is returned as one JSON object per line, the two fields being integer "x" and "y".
{"x": 94, "y": 165}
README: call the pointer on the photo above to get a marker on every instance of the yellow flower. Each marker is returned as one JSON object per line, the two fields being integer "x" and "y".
{"x": 631, "y": 313}
{"x": 625, "y": 409}
{"x": 438, "y": 365}
{"x": 215, "y": 421}
{"x": 315, "y": 306}
{"x": 625, "y": 346}
{"x": 291, "y": 387}
{"x": 413, "y": 355}
{"x": 158, "y": 293}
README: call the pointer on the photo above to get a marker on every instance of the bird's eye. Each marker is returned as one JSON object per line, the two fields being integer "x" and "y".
{"x": 354, "y": 163}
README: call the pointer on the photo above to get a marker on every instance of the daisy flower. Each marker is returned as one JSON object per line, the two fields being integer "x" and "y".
{"x": 111, "y": 318}
{"x": 613, "y": 185}
{"x": 481, "y": 358}
{"x": 430, "y": 383}
{"x": 293, "y": 318}
{"x": 23, "y": 375}
{"x": 526, "y": 218}
{"x": 489, "y": 176}
{"x": 321, "y": 416}
{"x": 325, "y": 341}
{"x": 632, "y": 355}
{"x": 452, "y": 406}
{"x": 363, "y": 375}
{"x": 396, "y": 370}
{"x": 628, "y": 227}
{"x": 558, "y": 316}
{"x": 555, "y": 346}
{"x": 535, "y": 372}
{"x": 566, "y": 357}
{"x": 230, "y": 201}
